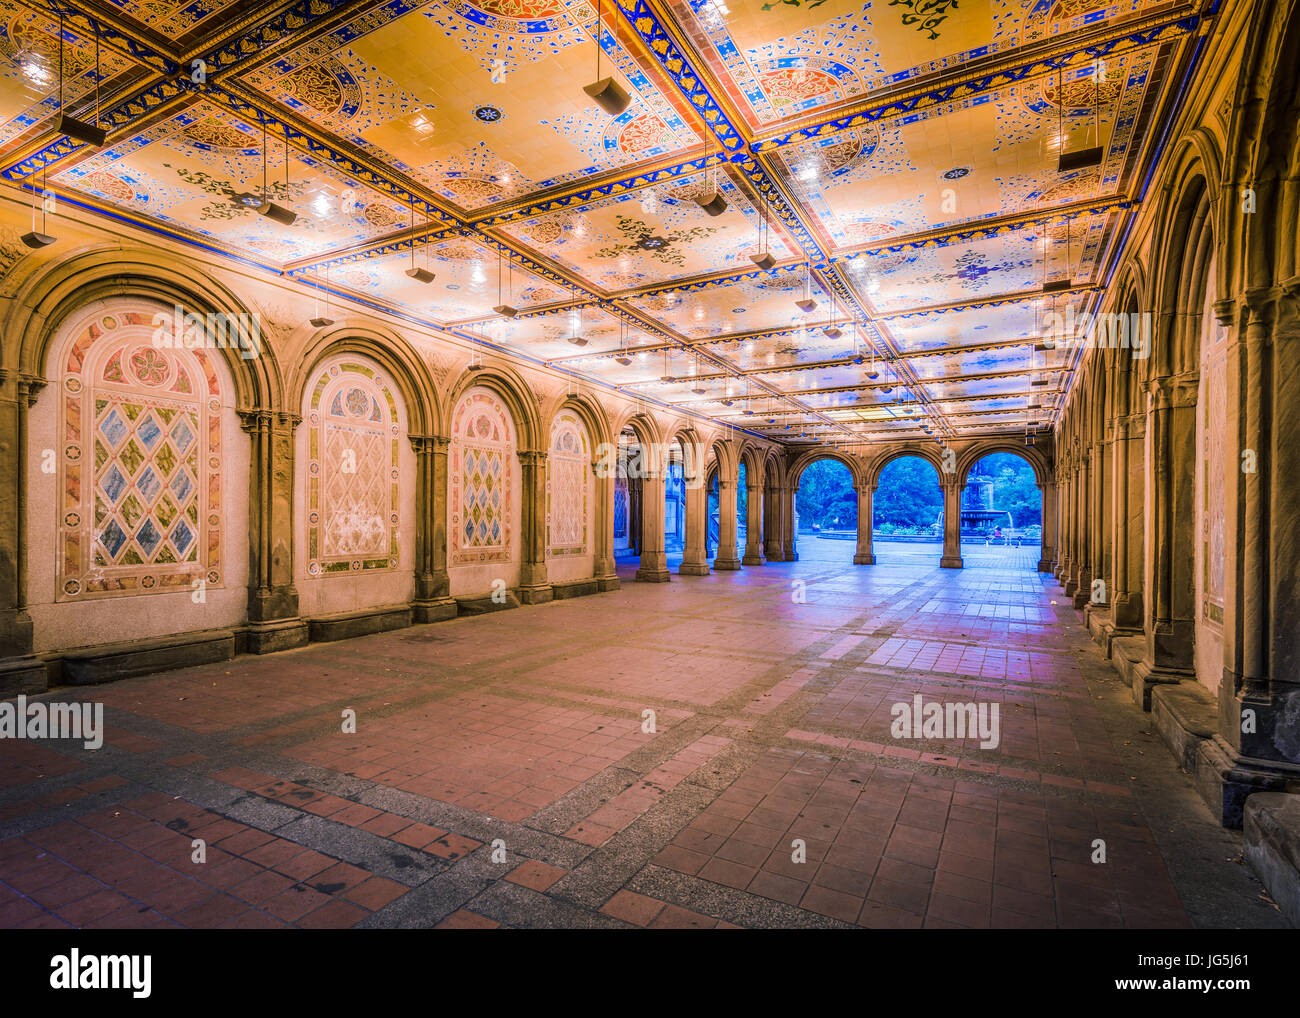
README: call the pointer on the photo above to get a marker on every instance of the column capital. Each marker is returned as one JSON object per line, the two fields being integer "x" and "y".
{"x": 30, "y": 386}
{"x": 531, "y": 457}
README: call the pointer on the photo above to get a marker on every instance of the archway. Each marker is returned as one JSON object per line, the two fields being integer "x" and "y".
{"x": 907, "y": 519}
{"x": 1001, "y": 514}
{"x": 826, "y": 511}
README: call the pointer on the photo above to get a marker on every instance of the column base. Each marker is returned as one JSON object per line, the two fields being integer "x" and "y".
{"x": 653, "y": 575}
{"x": 951, "y": 562}
{"x": 864, "y": 560}
{"x": 538, "y": 593}
{"x": 773, "y": 553}
{"x": 26, "y": 674}
{"x": 726, "y": 565}
{"x": 1044, "y": 565}
{"x": 693, "y": 569}
{"x": 437, "y": 609}
{"x": 1225, "y": 779}
{"x": 1141, "y": 674}
{"x": 1070, "y": 586}
{"x": 752, "y": 560}
{"x": 607, "y": 583}
{"x": 279, "y": 634}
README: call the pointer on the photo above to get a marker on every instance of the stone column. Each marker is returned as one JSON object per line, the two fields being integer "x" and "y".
{"x": 1126, "y": 598}
{"x": 534, "y": 588}
{"x": 20, "y": 670}
{"x": 865, "y": 555}
{"x": 1047, "y": 553}
{"x": 1063, "y": 524}
{"x": 773, "y": 524}
{"x": 433, "y": 601}
{"x": 1083, "y": 527}
{"x": 789, "y": 550}
{"x": 951, "y": 524}
{"x": 726, "y": 557}
{"x": 273, "y": 620}
{"x": 654, "y": 558}
{"x": 604, "y": 566}
{"x": 695, "y": 559}
{"x": 1257, "y": 747}
{"x": 753, "y": 519}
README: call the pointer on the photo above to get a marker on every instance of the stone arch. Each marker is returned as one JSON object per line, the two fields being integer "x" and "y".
{"x": 517, "y": 395}
{"x": 923, "y": 450}
{"x": 410, "y": 373}
{"x": 796, "y": 467}
{"x": 1042, "y": 467}
{"x": 44, "y": 300}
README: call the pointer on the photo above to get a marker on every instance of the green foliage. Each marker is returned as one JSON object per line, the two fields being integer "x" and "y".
{"x": 908, "y": 495}
{"x": 826, "y": 498}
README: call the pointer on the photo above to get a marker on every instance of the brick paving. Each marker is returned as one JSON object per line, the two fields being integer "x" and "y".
{"x": 504, "y": 772}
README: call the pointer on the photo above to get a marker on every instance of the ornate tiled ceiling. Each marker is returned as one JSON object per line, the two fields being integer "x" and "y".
{"x": 898, "y": 160}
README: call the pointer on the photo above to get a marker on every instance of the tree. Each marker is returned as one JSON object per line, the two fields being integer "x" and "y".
{"x": 826, "y": 498}
{"x": 908, "y": 494}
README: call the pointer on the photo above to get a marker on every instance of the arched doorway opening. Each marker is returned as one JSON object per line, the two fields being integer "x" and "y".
{"x": 826, "y": 512}
{"x": 1001, "y": 514}
{"x": 907, "y": 518}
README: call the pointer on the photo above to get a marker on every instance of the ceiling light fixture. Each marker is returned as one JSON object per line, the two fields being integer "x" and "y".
{"x": 1083, "y": 158}
{"x": 712, "y": 201}
{"x": 624, "y": 356}
{"x": 79, "y": 130}
{"x": 608, "y": 94}
{"x": 503, "y": 309}
{"x": 322, "y": 320}
{"x": 39, "y": 238}
{"x": 762, "y": 257}
{"x": 420, "y": 275}
{"x": 807, "y": 305}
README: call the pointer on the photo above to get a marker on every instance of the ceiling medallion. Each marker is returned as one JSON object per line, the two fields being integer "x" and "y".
{"x": 956, "y": 173}
{"x": 488, "y": 114}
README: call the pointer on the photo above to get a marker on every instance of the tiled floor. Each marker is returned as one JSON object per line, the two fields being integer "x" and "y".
{"x": 715, "y": 752}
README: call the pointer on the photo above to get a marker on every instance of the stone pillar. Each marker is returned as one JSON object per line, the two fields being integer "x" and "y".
{"x": 952, "y": 488}
{"x": 654, "y": 559}
{"x": 1257, "y": 747}
{"x": 726, "y": 557}
{"x": 1063, "y": 524}
{"x": 20, "y": 670}
{"x": 865, "y": 555}
{"x": 789, "y": 550}
{"x": 273, "y": 620}
{"x": 1047, "y": 552}
{"x": 433, "y": 601}
{"x": 753, "y": 519}
{"x": 1082, "y": 578}
{"x": 695, "y": 555}
{"x": 534, "y": 588}
{"x": 1126, "y": 550}
{"x": 773, "y": 525}
{"x": 604, "y": 565}
{"x": 1095, "y": 530}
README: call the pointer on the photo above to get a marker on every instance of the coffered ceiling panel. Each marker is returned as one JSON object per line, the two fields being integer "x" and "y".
{"x": 898, "y": 162}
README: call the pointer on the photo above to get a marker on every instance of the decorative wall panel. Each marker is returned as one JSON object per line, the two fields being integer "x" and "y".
{"x": 567, "y": 469}
{"x": 479, "y": 472}
{"x": 139, "y": 461}
{"x": 353, "y": 471}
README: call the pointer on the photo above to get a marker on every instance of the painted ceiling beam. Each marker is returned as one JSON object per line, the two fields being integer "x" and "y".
{"x": 1085, "y": 50}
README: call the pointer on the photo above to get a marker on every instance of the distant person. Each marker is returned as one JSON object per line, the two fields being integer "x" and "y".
{"x": 997, "y": 533}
